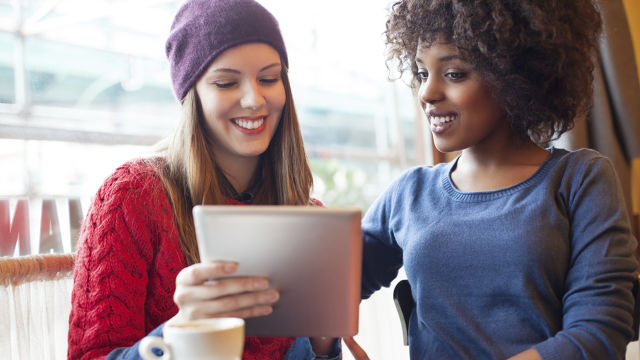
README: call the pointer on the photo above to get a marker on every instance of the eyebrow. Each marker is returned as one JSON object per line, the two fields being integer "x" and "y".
{"x": 234, "y": 71}
{"x": 443, "y": 59}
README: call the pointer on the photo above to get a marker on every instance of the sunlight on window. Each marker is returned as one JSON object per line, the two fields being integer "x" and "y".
{"x": 85, "y": 87}
{"x": 96, "y": 72}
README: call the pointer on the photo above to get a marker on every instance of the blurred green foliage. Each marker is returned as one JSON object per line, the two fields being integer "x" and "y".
{"x": 338, "y": 183}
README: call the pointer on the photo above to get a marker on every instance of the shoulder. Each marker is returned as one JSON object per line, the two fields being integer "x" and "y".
{"x": 132, "y": 203}
{"x": 134, "y": 178}
{"x": 424, "y": 172}
{"x": 419, "y": 177}
{"x": 137, "y": 172}
{"x": 411, "y": 182}
{"x": 583, "y": 164}
{"x": 134, "y": 190}
{"x": 579, "y": 157}
{"x": 585, "y": 173}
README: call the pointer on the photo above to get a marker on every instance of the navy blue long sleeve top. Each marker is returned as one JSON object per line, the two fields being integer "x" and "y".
{"x": 546, "y": 264}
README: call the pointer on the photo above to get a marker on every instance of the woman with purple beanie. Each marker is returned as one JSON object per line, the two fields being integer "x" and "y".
{"x": 238, "y": 142}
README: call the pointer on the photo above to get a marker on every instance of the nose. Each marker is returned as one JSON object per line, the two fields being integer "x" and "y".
{"x": 252, "y": 97}
{"x": 430, "y": 91}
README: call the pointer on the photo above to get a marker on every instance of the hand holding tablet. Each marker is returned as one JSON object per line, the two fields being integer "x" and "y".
{"x": 209, "y": 289}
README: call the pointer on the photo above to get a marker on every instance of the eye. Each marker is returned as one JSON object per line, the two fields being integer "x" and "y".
{"x": 423, "y": 75}
{"x": 456, "y": 75}
{"x": 270, "y": 80}
{"x": 224, "y": 85}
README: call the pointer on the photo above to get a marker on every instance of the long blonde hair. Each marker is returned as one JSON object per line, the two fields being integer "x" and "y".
{"x": 191, "y": 176}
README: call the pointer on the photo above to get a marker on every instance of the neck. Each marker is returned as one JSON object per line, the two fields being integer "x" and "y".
{"x": 497, "y": 169}
{"x": 239, "y": 171}
{"x": 497, "y": 155}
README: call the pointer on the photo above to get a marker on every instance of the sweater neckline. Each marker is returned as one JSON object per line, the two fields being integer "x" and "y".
{"x": 479, "y": 196}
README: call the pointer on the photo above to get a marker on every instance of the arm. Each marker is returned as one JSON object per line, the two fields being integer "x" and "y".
{"x": 597, "y": 303}
{"x": 199, "y": 296}
{"x": 131, "y": 353}
{"x": 381, "y": 257}
{"x": 110, "y": 274}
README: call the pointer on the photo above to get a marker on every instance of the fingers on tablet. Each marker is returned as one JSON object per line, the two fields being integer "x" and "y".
{"x": 181, "y": 297}
{"x": 244, "y": 305}
{"x": 232, "y": 286}
{"x": 258, "y": 284}
{"x": 199, "y": 273}
{"x": 249, "y": 313}
{"x": 202, "y": 290}
{"x": 232, "y": 303}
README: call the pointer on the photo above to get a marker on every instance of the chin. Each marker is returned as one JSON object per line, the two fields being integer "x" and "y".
{"x": 446, "y": 148}
{"x": 253, "y": 152}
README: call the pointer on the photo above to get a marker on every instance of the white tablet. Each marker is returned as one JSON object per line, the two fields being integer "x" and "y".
{"x": 312, "y": 255}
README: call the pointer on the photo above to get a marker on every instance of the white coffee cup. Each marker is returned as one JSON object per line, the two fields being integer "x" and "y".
{"x": 210, "y": 339}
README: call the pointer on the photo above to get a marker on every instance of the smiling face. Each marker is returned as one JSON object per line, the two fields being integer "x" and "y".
{"x": 458, "y": 103}
{"x": 242, "y": 97}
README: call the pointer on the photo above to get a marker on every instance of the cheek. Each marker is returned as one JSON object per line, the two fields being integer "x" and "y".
{"x": 277, "y": 98}
{"x": 215, "y": 106}
{"x": 478, "y": 101}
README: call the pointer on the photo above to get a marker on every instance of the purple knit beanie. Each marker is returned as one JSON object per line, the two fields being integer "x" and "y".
{"x": 203, "y": 29}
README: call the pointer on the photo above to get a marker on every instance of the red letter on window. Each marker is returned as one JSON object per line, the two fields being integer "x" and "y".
{"x": 11, "y": 231}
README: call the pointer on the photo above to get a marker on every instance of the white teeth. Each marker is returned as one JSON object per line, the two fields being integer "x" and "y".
{"x": 249, "y": 124}
{"x": 439, "y": 120}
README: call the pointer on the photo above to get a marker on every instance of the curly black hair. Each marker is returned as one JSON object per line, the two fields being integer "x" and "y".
{"x": 537, "y": 55}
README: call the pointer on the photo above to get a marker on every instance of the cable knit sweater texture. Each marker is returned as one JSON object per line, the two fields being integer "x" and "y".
{"x": 127, "y": 261}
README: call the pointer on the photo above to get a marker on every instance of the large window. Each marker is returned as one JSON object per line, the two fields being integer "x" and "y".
{"x": 85, "y": 86}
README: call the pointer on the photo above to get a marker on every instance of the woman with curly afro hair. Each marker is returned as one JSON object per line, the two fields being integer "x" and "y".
{"x": 514, "y": 249}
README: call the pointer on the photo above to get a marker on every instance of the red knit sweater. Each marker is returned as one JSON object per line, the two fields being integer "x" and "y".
{"x": 126, "y": 266}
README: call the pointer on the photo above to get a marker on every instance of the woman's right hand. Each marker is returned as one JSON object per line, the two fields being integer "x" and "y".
{"x": 204, "y": 290}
